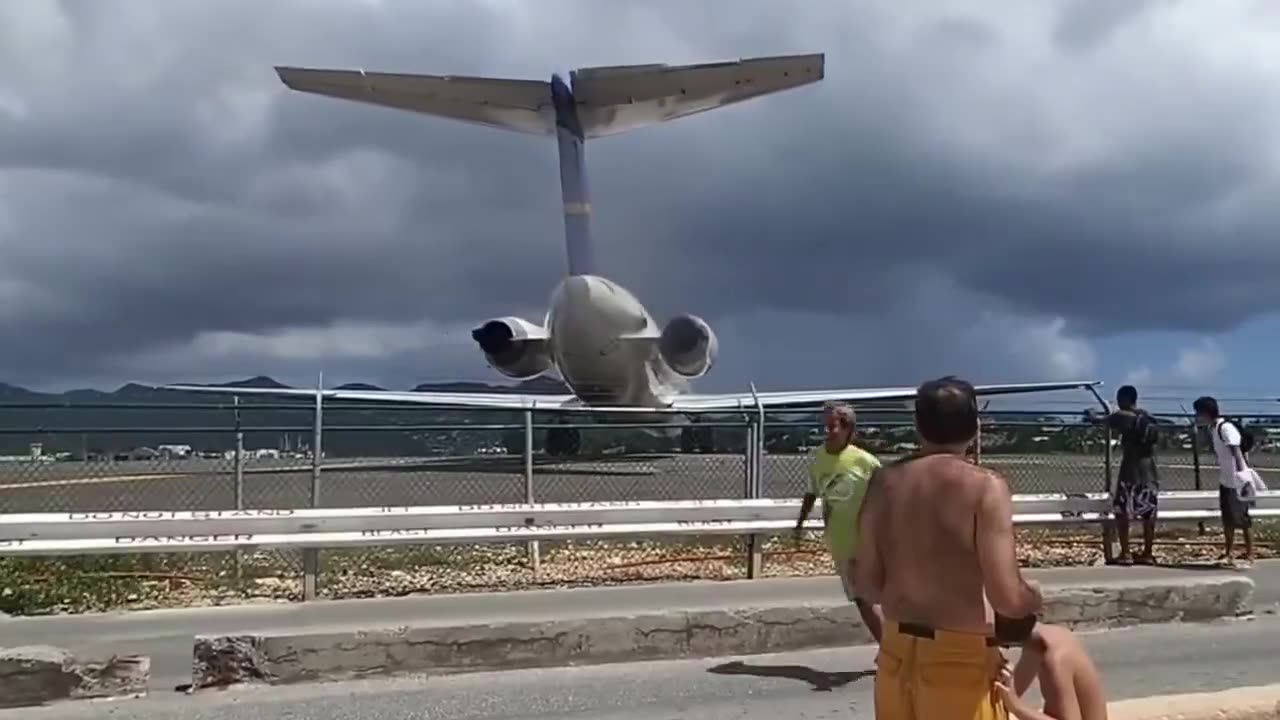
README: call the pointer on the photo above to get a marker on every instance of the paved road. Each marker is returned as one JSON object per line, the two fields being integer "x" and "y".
{"x": 1138, "y": 662}
{"x": 210, "y": 485}
{"x": 165, "y": 635}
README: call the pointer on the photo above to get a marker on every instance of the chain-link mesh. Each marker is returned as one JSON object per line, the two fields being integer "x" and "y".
{"x": 413, "y": 459}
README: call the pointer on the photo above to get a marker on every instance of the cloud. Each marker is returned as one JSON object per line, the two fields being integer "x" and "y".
{"x": 974, "y": 191}
{"x": 1195, "y": 365}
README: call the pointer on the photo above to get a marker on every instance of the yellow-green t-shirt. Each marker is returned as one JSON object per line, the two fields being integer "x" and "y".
{"x": 840, "y": 481}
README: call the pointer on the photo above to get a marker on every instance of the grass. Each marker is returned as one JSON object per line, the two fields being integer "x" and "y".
{"x": 36, "y": 586}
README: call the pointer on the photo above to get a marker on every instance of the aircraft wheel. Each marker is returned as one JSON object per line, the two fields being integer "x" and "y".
{"x": 563, "y": 442}
{"x": 688, "y": 443}
{"x": 696, "y": 440}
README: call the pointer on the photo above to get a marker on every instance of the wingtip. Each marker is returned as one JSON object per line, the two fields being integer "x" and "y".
{"x": 285, "y": 73}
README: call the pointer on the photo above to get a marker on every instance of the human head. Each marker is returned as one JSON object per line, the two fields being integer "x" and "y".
{"x": 1206, "y": 409}
{"x": 947, "y": 412}
{"x": 838, "y": 420}
{"x": 1127, "y": 397}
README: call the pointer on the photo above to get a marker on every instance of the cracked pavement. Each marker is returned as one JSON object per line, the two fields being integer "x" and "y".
{"x": 837, "y": 683}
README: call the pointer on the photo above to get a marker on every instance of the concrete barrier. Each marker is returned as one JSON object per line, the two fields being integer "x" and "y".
{"x": 1246, "y": 703}
{"x": 342, "y": 653}
{"x": 37, "y": 675}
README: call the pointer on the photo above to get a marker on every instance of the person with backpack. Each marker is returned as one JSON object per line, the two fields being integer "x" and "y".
{"x": 1137, "y": 491}
{"x": 1236, "y": 481}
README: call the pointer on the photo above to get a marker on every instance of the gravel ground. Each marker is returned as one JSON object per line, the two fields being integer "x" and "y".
{"x": 140, "y": 582}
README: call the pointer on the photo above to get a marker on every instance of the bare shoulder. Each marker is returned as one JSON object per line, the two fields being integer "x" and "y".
{"x": 981, "y": 478}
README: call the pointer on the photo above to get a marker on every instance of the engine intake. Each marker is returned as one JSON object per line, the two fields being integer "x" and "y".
{"x": 514, "y": 347}
{"x": 688, "y": 345}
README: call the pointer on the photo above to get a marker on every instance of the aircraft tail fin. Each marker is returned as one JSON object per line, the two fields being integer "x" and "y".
{"x": 598, "y": 102}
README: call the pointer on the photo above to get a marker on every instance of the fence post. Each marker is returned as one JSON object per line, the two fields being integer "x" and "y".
{"x": 531, "y": 548}
{"x": 239, "y": 456}
{"x": 1195, "y": 464}
{"x": 238, "y": 460}
{"x": 311, "y": 556}
{"x": 755, "y": 453}
{"x": 1108, "y": 525}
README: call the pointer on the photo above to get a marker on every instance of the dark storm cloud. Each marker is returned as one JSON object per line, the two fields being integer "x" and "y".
{"x": 964, "y": 180}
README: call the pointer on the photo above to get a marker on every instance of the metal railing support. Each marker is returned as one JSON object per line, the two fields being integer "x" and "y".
{"x": 532, "y": 548}
{"x": 238, "y": 461}
{"x": 1195, "y": 465}
{"x": 755, "y": 489}
{"x": 311, "y": 556}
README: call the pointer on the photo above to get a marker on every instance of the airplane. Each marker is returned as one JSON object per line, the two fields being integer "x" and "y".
{"x": 596, "y": 335}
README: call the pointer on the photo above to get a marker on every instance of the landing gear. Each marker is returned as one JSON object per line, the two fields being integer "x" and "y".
{"x": 694, "y": 439}
{"x": 562, "y": 441}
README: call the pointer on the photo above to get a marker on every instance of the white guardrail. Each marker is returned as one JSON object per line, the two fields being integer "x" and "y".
{"x": 197, "y": 530}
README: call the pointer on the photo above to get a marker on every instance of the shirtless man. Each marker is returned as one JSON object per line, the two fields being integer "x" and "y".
{"x": 936, "y": 543}
{"x": 1069, "y": 681}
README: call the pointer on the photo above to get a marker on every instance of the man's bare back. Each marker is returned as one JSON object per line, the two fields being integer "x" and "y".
{"x": 1069, "y": 681}
{"x": 945, "y": 528}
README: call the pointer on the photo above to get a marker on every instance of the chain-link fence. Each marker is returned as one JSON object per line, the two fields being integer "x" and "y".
{"x": 184, "y": 457}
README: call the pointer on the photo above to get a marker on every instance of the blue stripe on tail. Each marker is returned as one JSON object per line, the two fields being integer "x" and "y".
{"x": 573, "y": 180}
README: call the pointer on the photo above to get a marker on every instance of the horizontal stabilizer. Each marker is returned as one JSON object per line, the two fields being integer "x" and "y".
{"x": 519, "y": 105}
{"x": 612, "y": 100}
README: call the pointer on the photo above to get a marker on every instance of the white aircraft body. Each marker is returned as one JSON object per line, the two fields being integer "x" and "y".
{"x": 596, "y": 335}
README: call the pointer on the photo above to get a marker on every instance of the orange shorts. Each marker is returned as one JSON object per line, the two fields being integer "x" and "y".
{"x": 926, "y": 674}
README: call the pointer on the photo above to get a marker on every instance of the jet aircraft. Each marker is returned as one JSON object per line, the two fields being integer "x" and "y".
{"x": 596, "y": 335}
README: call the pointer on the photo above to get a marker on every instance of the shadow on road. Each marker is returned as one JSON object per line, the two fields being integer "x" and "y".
{"x": 821, "y": 681}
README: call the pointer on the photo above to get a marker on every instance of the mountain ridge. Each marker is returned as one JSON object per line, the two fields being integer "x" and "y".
{"x": 10, "y": 393}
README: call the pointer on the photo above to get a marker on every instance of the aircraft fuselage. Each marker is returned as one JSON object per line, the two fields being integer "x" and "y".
{"x": 605, "y": 344}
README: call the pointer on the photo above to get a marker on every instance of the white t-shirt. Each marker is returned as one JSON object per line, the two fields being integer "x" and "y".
{"x": 1225, "y": 436}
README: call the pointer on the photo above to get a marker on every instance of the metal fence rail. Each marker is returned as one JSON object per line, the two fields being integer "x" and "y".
{"x": 134, "y": 532}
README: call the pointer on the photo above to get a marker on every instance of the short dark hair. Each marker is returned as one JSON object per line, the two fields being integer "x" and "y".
{"x": 947, "y": 411}
{"x": 1206, "y": 405}
{"x": 1127, "y": 395}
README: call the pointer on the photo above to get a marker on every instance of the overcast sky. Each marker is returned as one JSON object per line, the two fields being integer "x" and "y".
{"x": 1012, "y": 191}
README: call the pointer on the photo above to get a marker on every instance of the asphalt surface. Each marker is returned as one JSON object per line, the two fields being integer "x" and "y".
{"x": 1138, "y": 662}
{"x": 210, "y": 484}
{"x": 166, "y": 635}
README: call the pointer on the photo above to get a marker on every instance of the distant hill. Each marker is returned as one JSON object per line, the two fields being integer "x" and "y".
{"x": 75, "y": 422}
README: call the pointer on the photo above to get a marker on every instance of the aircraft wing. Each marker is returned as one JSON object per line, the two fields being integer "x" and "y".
{"x": 612, "y": 100}
{"x": 810, "y": 398}
{"x": 691, "y": 402}
{"x": 519, "y": 105}
{"x": 513, "y": 401}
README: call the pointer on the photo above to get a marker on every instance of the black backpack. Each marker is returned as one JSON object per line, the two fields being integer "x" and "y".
{"x": 1246, "y": 437}
{"x": 1144, "y": 431}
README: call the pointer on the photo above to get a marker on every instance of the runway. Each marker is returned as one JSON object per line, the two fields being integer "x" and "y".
{"x": 196, "y": 484}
